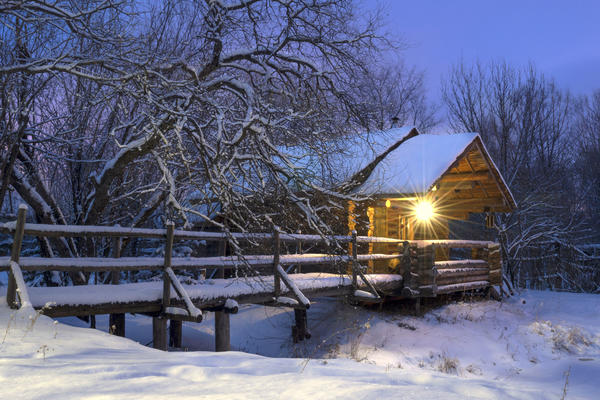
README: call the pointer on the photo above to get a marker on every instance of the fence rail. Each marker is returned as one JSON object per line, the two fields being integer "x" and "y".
{"x": 47, "y": 230}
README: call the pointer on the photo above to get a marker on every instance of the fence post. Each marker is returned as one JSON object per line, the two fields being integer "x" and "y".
{"x": 15, "y": 252}
{"x": 495, "y": 264}
{"x": 276, "y": 251}
{"x": 354, "y": 260}
{"x": 222, "y": 323}
{"x": 116, "y": 322}
{"x": 409, "y": 283}
{"x": 299, "y": 251}
{"x": 220, "y": 274}
{"x": 426, "y": 268}
{"x": 159, "y": 323}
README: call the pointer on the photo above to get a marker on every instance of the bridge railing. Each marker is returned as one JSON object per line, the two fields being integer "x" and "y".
{"x": 417, "y": 256}
{"x": 78, "y": 266}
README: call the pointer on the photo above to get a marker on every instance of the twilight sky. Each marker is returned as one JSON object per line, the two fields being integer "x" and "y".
{"x": 562, "y": 38}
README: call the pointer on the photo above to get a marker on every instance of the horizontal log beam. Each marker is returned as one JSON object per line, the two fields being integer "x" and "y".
{"x": 455, "y": 244}
{"x": 470, "y": 176}
{"x": 462, "y": 287}
{"x": 442, "y": 265}
{"x": 456, "y": 272}
{"x": 156, "y": 263}
{"x": 48, "y": 230}
{"x": 181, "y": 314}
{"x": 451, "y": 280}
{"x": 460, "y": 185}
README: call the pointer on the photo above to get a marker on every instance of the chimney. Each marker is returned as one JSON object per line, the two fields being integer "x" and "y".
{"x": 395, "y": 121}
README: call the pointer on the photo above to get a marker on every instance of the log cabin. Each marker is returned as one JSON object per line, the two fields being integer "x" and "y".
{"x": 414, "y": 184}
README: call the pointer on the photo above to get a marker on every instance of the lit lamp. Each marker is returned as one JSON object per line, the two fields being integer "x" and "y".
{"x": 424, "y": 211}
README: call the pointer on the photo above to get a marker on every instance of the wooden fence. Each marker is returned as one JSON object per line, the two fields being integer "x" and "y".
{"x": 422, "y": 275}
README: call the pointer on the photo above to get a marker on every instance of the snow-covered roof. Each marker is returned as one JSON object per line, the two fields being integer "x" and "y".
{"x": 416, "y": 164}
{"x": 398, "y": 161}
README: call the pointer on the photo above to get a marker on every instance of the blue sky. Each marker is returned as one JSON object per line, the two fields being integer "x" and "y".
{"x": 562, "y": 38}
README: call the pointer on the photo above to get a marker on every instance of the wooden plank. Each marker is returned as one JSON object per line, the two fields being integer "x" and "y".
{"x": 461, "y": 287}
{"x": 460, "y": 185}
{"x": 469, "y": 176}
{"x": 441, "y": 265}
{"x": 15, "y": 252}
{"x": 456, "y": 272}
{"x": 450, "y": 280}
{"x": 455, "y": 244}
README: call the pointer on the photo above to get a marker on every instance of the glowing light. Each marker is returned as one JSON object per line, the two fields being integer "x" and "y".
{"x": 424, "y": 210}
{"x": 388, "y": 203}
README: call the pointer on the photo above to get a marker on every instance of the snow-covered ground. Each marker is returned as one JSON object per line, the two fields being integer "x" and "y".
{"x": 529, "y": 346}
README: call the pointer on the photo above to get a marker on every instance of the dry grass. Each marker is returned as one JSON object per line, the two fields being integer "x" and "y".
{"x": 571, "y": 340}
{"x": 448, "y": 365}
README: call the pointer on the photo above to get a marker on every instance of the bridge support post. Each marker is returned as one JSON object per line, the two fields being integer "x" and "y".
{"x": 175, "y": 330}
{"x": 116, "y": 322}
{"x": 222, "y": 332}
{"x": 300, "y": 329}
{"x": 159, "y": 333}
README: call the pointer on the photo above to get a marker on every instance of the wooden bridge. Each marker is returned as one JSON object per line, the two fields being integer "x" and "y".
{"x": 415, "y": 274}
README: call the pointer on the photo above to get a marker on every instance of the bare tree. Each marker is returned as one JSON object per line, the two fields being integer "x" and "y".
{"x": 587, "y": 129}
{"x": 114, "y": 109}
{"x": 391, "y": 91}
{"x": 526, "y": 122}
